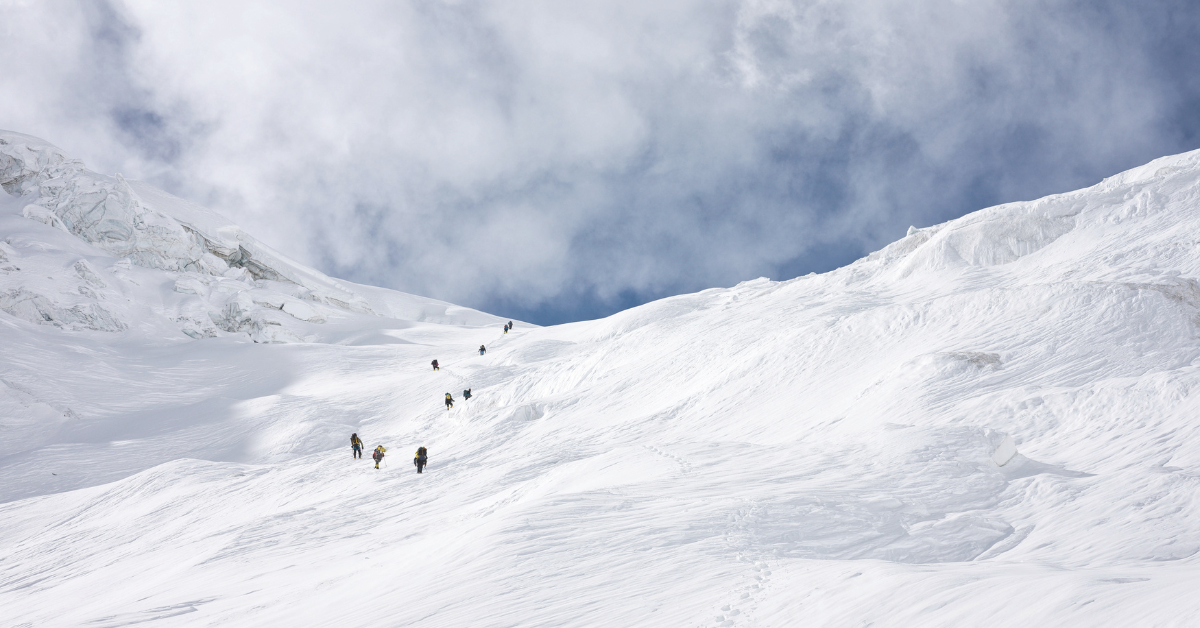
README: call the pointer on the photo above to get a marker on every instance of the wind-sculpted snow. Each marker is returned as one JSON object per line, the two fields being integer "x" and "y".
{"x": 824, "y": 451}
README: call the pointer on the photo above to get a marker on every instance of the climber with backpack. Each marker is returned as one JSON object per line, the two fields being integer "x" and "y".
{"x": 421, "y": 459}
{"x": 435, "y": 366}
{"x": 378, "y": 455}
{"x": 357, "y": 444}
{"x": 482, "y": 349}
{"x": 449, "y": 401}
{"x": 466, "y": 394}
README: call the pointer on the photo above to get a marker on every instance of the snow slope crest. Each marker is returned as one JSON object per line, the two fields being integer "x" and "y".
{"x": 1003, "y": 234}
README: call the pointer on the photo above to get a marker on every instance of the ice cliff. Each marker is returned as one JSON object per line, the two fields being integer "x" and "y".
{"x": 233, "y": 284}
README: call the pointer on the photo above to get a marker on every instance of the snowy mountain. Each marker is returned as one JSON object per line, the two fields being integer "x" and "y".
{"x": 989, "y": 421}
{"x": 235, "y": 284}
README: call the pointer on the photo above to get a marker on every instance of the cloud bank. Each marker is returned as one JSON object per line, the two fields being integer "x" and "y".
{"x": 555, "y": 161}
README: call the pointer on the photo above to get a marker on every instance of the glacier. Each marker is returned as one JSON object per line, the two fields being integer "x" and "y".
{"x": 989, "y": 420}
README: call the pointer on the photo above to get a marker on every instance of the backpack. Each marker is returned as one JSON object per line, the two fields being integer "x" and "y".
{"x": 421, "y": 452}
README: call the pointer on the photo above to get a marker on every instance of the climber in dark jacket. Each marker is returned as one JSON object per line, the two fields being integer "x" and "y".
{"x": 420, "y": 459}
{"x": 357, "y": 444}
{"x": 435, "y": 366}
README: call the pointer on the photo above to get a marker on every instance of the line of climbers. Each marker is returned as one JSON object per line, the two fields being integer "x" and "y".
{"x": 422, "y": 456}
{"x": 467, "y": 393}
{"x": 420, "y": 459}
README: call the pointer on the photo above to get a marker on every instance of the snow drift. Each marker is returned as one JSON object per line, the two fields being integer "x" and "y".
{"x": 990, "y": 420}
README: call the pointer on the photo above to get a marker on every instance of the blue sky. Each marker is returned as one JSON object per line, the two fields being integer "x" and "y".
{"x": 554, "y": 161}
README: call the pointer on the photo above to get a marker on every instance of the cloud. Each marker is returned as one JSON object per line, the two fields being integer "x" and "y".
{"x": 531, "y": 156}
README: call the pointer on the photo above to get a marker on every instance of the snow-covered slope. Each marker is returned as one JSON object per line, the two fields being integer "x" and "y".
{"x": 821, "y": 451}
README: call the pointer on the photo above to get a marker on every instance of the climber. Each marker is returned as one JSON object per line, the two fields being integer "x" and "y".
{"x": 378, "y": 455}
{"x": 466, "y": 394}
{"x": 510, "y": 325}
{"x": 449, "y": 401}
{"x": 482, "y": 349}
{"x": 421, "y": 459}
{"x": 506, "y": 329}
{"x": 357, "y": 444}
{"x": 435, "y": 366}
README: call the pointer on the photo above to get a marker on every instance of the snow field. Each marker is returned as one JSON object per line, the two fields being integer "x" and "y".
{"x": 810, "y": 452}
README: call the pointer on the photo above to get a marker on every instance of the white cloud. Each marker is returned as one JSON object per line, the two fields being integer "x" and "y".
{"x": 486, "y": 152}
